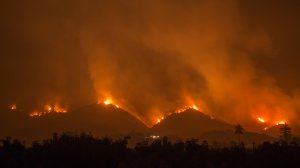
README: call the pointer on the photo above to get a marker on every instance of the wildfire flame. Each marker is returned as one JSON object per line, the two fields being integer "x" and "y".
{"x": 48, "y": 109}
{"x": 35, "y": 114}
{"x": 179, "y": 110}
{"x": 261, "y": 120}
{"x": 58, "y": 109}
{"x": 280, "y": 123}
{"x": 159, "y": 120}
{"x": 108, "y": 102}
{"x": 184, "y": 108}
{"x": 195, "y": 107}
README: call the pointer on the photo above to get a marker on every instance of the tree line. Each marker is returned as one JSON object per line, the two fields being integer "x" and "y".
{"x": 85, "y": 150}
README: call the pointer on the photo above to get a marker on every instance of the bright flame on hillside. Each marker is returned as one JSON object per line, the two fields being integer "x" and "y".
{"x": 48, "y": 109}
{"x": 261, "y": 120}
{"x": 195, "y": 107}
{"x": 35, "y": 114}
{"x": 280, "y": 123}
{"x": 184, "y": 108}
{"x": 58, "y": 109}
{"x": 159, "y": 120}
{"x": 108, "y": 102}
{"x": 178, "y": 111}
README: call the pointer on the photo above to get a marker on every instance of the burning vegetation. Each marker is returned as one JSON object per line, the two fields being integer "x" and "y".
{"x": 177, "y": 111}
{"x": 107, "y": 102}
{"x": 48, "y": 109}
{"x": 270, "y": 123}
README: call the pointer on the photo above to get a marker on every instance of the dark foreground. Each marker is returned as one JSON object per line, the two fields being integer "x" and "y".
{"x": 84, "y": 150}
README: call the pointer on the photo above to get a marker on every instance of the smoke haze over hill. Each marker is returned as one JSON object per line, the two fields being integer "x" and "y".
{"x": 235, "y": 60}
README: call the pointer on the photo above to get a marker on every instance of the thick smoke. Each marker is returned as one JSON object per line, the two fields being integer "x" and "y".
{"x": 150, "y": 57}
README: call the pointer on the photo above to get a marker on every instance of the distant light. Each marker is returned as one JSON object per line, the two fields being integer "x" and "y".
{"x": 13, "y": 107}
{"x": 154, "y": 136}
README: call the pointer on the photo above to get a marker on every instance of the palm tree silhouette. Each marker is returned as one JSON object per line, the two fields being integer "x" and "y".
{"x": 239, "y": 130}
{"x": 285, "y": 133}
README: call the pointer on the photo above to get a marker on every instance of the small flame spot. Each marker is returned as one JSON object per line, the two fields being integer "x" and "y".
{"x": 280, "y": 123}
{"x": 261, "y": 120}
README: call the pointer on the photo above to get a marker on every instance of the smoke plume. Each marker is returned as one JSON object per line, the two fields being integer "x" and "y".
{"x": 149, "y": 57}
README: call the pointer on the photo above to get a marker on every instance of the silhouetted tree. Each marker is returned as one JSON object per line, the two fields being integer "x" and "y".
{"x": 84, "y": 150}
{"x": 285, "y": 133}
{"x": 239, "y": 130}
